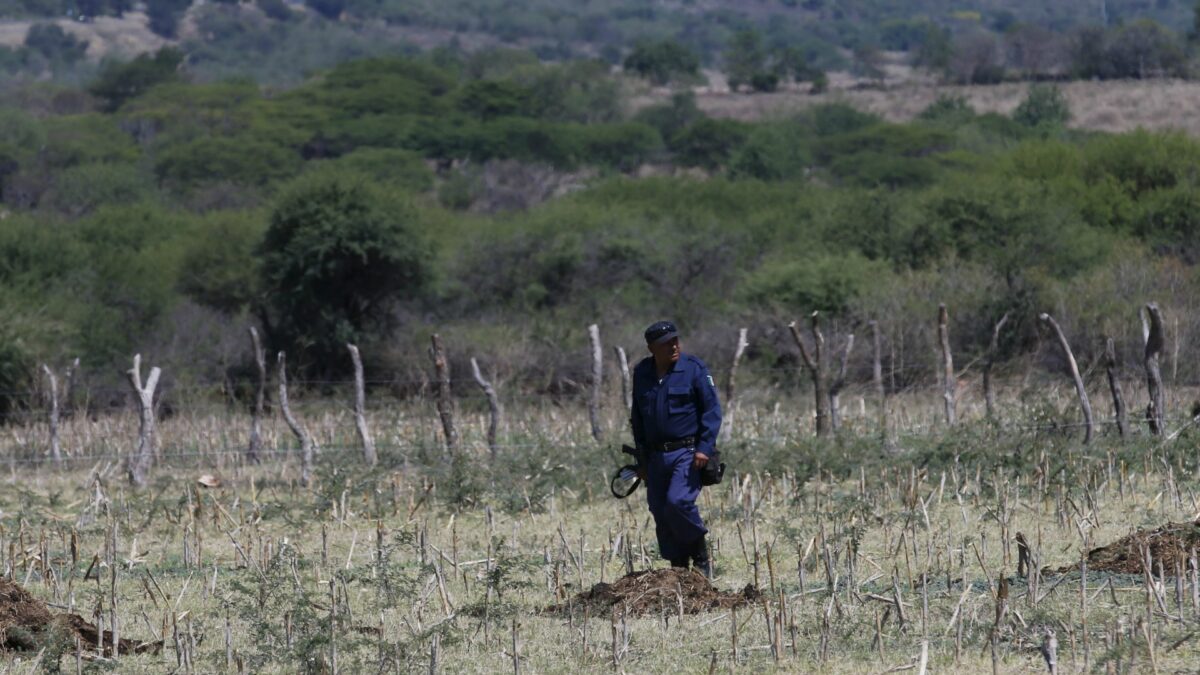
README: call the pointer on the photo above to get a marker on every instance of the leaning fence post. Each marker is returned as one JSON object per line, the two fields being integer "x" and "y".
{"x": 626, "y": 387}
{"x": 260, "y": 362}
{"x": 1152, "y": 335}
{"x": 55, "y": 448}
{"x": 445, "y": 404}
{"x": 496, "y": 411}
{"x": 989, "y": 396}
{"x": 835, "y": 387}
{"x": 949, "y": 382}
{"x": 815, "y": 363}
{"x": 731, "y": 386}
{"x": 1114, "y": 385}
{"x": 1080, "y": 390}
{"x": 885, "y": 426}
{"x": 360, "y": 405}
{"x": 597, "y": 375}
{"x": 306, "y": 442}
{"x": 139, "y": 462}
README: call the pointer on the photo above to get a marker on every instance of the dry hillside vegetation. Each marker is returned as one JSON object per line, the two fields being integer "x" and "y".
{"x": 126, "y": 36}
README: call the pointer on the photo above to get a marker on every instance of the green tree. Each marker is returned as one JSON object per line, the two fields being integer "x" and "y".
{"x": 54, "y": 44}
{"x": 338, "y": 254}
{"x": 662, "y": 61}
{"x": 1044, "y": 107}
{"x": 119, "y": 82}
{"x": 744, "y": 58}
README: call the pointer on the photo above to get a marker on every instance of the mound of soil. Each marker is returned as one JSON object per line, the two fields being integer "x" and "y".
{"x": 653, "y": 591}
{"x": 1170, "y": 544}
{"x": 26, "y": 624}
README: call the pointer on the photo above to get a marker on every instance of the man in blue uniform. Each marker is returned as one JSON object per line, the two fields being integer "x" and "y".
{"x": 675, "y": 418}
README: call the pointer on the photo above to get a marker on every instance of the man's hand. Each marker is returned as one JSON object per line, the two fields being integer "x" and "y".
{"x": 700, "y": 461}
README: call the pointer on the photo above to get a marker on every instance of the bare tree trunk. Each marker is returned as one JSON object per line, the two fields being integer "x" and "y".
{"x": 360, "y": 407}
{"x": 55, "y": 448}
{"x": 949, "y": 382}
{"x": 493, "y": 405}
{"x": 597, "y": 375}
{"x": 835, "y": 387}
{"x": 815, "y": 363}
{"x": 731, "y": 386}
{"x": 139, "y": 462}
{"x": 302, "y": 435}
{"x": 260, "y": 361}
{"x": 885, "y": 426}
{"x": 445, "y": 404}
{"x": 1114, "y": 385}
{"x": 626, "y": 386}
{"x": 1152, "y": 334}
{"x": 989, "y": 396}
{"x": 1080, "y": 390}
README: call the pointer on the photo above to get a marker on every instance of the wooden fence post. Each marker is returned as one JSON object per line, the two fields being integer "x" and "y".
{"x": 55, "y": 447}
{"x": 989, "y": 396}
{"x": 260, "y": 362}
{"x": 885, "y": 426}
{"x": 445, "y": 404}
{"x": 495, "y": 410}
{"x": 597, "y": 375}
{"x": 360, "y": 405}
{"x": 949, "y": 381}
{"x": 1152, "y": 335}
{"x": 1114, "y": 385}
{"x": 1080, "y": 390}
{"x": 815, "y": 363}
{"x": 731, "y": 386}
{"x": 139, "y": 462}
{"x": 626, "y": 386}
{"x": 306, "y": 442}
{"x": 835, "y": 387}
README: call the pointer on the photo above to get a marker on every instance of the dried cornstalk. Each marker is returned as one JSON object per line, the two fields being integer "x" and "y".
{"x": 626, "y": 386}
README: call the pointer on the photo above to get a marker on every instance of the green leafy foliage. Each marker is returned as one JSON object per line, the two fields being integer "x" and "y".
{"x": 337, "y": 255}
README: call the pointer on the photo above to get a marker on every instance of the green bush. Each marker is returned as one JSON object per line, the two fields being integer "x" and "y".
{"x": 826, "y": 283}
{"x": 338, "y": 253}
{"x": 1044, "y": 107}
{"x": 242, "y": 160}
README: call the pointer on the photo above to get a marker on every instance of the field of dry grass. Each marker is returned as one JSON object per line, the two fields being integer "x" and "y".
{"x": 865, "y": 560}
{"x": 1112, "y": 106}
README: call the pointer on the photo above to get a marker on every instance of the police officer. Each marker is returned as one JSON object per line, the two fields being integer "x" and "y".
{"x": 675, "y": 418}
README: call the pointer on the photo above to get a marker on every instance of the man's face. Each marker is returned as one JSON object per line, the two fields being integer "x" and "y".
{"x": 666, "y": 353}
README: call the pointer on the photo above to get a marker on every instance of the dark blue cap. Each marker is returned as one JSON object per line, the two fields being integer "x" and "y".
{"x": 660, "y": 332}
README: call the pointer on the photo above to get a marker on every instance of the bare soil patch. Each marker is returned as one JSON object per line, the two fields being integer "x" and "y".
{"x": 27, "y": 624}
{"x": 654, "y": 591}
{"x": 1171, "y": 545}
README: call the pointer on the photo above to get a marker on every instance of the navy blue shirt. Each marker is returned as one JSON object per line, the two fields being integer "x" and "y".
{"x": 683, "y": 403}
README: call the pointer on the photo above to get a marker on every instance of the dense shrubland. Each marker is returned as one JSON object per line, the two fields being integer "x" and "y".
{"x": 153, "y": 214}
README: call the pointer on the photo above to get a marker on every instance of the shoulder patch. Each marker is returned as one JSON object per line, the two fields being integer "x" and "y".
{"x": 710, "y": 381}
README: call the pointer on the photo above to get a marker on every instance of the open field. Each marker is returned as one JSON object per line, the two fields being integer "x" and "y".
{"x": 862, "y": 556}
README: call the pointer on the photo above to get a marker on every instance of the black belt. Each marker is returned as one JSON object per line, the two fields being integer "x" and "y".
{"x": 668, "y": 446}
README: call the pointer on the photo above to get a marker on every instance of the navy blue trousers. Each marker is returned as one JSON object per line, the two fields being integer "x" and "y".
{"x": 672, "y": 486}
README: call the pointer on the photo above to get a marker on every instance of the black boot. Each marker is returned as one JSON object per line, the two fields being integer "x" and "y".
{"x": 680, "y": 562}
{"x": 700, "y": 560}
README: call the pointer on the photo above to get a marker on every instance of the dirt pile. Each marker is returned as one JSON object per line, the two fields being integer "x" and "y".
{"x": 26, "y": 624}
{"x": 1169, "y": 545}
{"x": 655, "y": 591}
